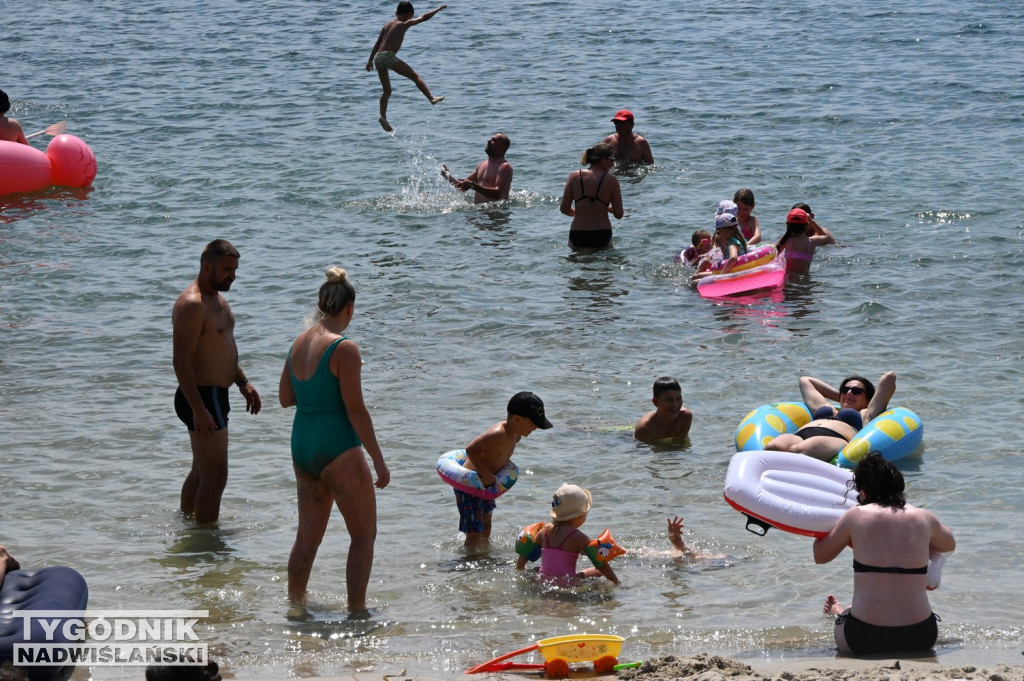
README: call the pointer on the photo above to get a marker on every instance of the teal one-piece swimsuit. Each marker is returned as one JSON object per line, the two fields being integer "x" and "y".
{"x": 321, "y": 430}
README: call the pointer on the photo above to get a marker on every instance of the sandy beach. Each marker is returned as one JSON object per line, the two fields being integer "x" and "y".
{"x": 703, "y": 667}
{"x": 712, "y": 668}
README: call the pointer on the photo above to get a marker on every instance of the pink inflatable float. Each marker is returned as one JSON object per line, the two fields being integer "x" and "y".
{"x": 768, "y": 277}
{"x": 68, "y": 162}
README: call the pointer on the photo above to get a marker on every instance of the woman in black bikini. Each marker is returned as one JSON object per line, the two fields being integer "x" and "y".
{"x": 830, "y": 430}
{"x": 590, "y": 195}
{"x": 891, "y": 542}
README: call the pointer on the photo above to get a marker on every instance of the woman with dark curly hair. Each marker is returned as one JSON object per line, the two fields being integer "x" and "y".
{"x": 892, "y": 542}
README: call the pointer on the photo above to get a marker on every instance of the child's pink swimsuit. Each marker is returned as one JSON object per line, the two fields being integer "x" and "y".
{"x": 556, "y": 561}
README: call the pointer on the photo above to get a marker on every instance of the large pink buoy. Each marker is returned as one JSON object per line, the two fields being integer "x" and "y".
{"x": 74, "y": 164}
{"x": 23, "y": 168}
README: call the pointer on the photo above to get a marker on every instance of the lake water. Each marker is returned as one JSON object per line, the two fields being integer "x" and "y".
{"x": 256, "y": 122}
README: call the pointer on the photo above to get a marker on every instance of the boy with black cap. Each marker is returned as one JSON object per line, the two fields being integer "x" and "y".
{"x": 489, "y": 453}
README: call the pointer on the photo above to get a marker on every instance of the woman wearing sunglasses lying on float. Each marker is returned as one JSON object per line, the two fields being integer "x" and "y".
{"x": 830, "y": 429}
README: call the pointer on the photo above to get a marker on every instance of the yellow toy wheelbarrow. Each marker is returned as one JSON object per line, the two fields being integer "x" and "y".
{"x": 558, "y": 652}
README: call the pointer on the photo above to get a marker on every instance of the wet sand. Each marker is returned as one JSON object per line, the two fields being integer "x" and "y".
{"x": 713, "y": 668}
{"x": 703, "y": 667}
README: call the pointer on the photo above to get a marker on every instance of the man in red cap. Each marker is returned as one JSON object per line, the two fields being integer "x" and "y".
{"x": 629, "y": 147}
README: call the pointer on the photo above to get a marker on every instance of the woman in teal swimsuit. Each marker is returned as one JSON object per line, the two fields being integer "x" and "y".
{"x": 331, "y": 427}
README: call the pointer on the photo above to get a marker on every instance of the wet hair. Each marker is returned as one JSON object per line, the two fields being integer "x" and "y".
{"x": 335, "y": 293}
{"x": 744, "y": 196}
{"x": 699, "y": 236}
{"x": 404, "y": 8}
{"x": 218, "y": 248}
{"x": 880, "y": 481}
{"x": 597, "y": 152}
{"x": 869, "y": 387}
{"x": 5, "y": 103}
{"x": 792, "y": 229}
{"x": 665, "y": 383}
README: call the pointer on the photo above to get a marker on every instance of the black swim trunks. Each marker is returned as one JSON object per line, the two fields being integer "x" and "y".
{"x": 215, "y": 398}
{"x": 590, "y": 238}
{"x": 871, "y": 638}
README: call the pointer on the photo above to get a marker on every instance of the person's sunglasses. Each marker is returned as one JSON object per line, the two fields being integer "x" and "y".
{"x": 857, "y": 392}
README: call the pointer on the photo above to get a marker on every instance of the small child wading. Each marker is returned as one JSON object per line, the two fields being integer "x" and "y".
{"x": 384, "y": 56}
{"x": 560, "y": 542}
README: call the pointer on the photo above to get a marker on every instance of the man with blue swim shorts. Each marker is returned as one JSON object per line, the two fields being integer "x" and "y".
{"x": 206, "y": 364}
{"x": 215, "y": 399}
{"x": 489, "y": 453}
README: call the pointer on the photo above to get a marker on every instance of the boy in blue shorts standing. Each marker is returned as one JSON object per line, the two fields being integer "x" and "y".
{"x": 489, "y": 453}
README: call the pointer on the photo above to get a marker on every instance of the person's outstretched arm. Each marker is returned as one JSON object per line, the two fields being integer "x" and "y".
{"x": 675, "y": 535}
{"x": 425, "y": 16}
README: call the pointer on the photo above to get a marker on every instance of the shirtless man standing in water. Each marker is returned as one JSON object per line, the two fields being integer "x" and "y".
{"x": 384, "y": 56}
{"x": 629, "y": 146}
{"x": 206, "y": 364}
{"x": 492, "y": 179}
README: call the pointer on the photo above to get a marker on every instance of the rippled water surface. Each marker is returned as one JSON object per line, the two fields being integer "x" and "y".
{"x": 256, "y": 122}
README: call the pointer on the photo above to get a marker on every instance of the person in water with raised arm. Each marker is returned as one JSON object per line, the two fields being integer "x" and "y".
{"x": 492, "y": 178}
{"x": 384, "y": 56}
{"x": 831, "y": 429}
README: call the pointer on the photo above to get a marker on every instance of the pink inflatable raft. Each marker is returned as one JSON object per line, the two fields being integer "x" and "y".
{"x": 68, "y": 162}
{"x": 766, "y": 277}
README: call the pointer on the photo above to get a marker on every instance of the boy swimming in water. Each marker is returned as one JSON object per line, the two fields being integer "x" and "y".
{"x": 670, "y": 422}
{"x": 384, "y": 56}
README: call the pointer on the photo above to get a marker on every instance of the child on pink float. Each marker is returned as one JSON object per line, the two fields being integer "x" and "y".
{"x": 751, "y": 228}
{"x": 700, "y": 244}
{"x": 730, "y": 241}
